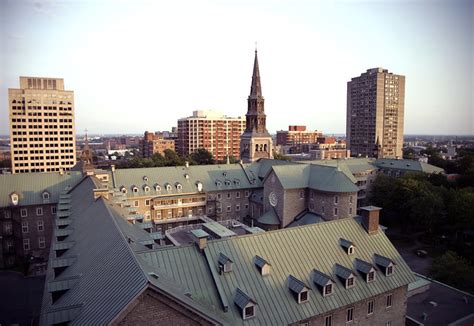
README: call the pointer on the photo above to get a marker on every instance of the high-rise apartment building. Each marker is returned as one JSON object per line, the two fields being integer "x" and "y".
{"x": 375, "y": 111}
{"x": 212, "y": 131}
{"x": 153, "y": 143}
{"x": 256, "y": 142}
{"x": 42, "y": 131}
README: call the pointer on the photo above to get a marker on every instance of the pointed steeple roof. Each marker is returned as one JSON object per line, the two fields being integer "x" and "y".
{"x": 256, "y": 88}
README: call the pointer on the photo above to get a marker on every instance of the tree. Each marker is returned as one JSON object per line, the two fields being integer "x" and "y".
{"x": 202, "y": 157}
{"x": 453, "y": 269}
{"x": 172, "y": 159}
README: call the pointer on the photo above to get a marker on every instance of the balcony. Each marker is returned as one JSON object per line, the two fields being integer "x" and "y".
{"x": 180, "y": 205}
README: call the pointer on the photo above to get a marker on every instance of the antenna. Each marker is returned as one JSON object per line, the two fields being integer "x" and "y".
{"x": 255, "y": 46}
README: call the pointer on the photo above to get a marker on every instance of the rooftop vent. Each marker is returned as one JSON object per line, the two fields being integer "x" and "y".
{"x": 299, "y": 289}
{"x": 225, "y": 264}
{"x": 324, "y": 282}
{"x": 145, "y": 178}
{"x": 186, "y": 176}
{"x": 262, "y": 265}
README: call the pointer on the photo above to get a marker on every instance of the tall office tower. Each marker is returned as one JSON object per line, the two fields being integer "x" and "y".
{"x": 42, "y": 132}
{"x": 375, "y": 110}
{"x": 212, "y": 131}
{"x": 255, "y": 142}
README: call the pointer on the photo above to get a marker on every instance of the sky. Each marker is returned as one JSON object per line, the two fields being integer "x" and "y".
{"x": 142, "y": 65}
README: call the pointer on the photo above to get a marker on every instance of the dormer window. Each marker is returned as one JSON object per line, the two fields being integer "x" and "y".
{"x": 146, "y": 188}
{"x": 45, "y": 195}
{"x": 227, "y": 182}
{"x": 168, "y": 187}
{"x": 347, "y": 245}
{"x": 299, "y": 289}
{"x": 346, "y": 275}
{"x": 225, "y": 264}
{"x": 14, "y": 198}
{"x": 123, "y": 189}
{"x": 385, "y": 263}
{"x": 199, "y": 186}
{"x": 366, "y": 269}
{"x": 324, "y": 282}
{"x": 245, "y": 303}
{"x": 237, "y": 181}
{"x": 157, "y": 187}
{"x": 179, "y": 186}
{"x": 262, "y": 265}
{"x": 218, "y": 183}
{"x": 135, "y": 189}
{"x": 145, "y": 178}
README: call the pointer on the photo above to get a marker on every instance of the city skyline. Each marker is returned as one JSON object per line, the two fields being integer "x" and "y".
{"x": 172, "y": 58}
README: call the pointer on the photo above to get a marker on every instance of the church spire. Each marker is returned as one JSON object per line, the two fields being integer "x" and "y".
{"x": 256, "y": 87}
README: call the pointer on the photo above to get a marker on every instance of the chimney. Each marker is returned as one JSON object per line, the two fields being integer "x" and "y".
{"x": 112, "y": 167}
{"x": 200, "y": 238}
{"x": 370, "y": 218}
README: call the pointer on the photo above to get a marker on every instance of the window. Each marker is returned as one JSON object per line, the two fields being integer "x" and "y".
{"x": 350, "y": 199}
{"x": 247, "y": 193}
{"x": 219, "y": 196}
{"x": 350, "y": 282}
{"x": 237, "y": 207}
{"x": 135, "y": 189}
{"x": 40, "y": 225}
{"x": 136, "y": 203}
{"x": 24, "y": 227}
{"x": 53, "y": 209}
{"x": 389, "y": 270}
{"x": 23, "y": 212}
{"x": 350, "y": 210}
{"x": 249, "y": 312}
{"x": 6, "y": 214}
{"x": 45, "y": 195}
{"x": 303, "y": 297}
{"x": 389, "y": 301}
{"x": 39, "y": 211}
{"x": 229, "y": 195}
{"x": 41, "y": 243}
{"x": 350, "y": 315}
{"x": 335, "y": 211}
{"x": 328, "y": 289}
{"x": 229, "y": 208}
{"x": 322, "y": 209}
{"x": 147, "y": 202}
{"x": 336, "y": 199}
{"x": 26, "y": 244}
{"x": 370, "y": 307}
{"x": 389, "y": 323}
{"x": 237, "y": 194}
{"x": 302, "y": 194}
{"x": 371, "y": 276}
{"x": 311, "y": 195}
{"x": 328, "y": 320}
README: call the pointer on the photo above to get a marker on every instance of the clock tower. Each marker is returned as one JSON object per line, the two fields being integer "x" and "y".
{"x": 255, "y": 142}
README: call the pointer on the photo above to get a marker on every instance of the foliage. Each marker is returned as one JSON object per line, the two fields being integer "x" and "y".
{"x": 5, "y": 164}
{"x": 281, "y": 157}
{"x": 434, "y": 157}
{"x": 202, "y": 157}
{"x": 453, "y": 269}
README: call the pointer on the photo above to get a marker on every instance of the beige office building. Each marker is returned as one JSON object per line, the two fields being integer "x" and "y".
{"x": 375, "y": 111}
{"x": 42, "y": 130}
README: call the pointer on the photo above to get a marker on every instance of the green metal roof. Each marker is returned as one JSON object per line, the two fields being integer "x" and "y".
{"x": 407, "y": 165}
{"x": 30, "y": 186}
{"x": 269, "y": 218}
{"x": 199, "y": 233}
{"x": 306, "y": 219}
{"x": 218, "y": 229}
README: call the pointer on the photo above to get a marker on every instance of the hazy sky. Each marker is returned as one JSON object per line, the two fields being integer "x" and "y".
{"x": 141, "y": 65}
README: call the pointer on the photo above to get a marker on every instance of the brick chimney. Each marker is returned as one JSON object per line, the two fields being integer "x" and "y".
{"x": 200, "y": 238}
{"x": 370, "y": 218}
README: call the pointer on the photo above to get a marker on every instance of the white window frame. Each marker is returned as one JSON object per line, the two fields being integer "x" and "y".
{"x": 23, "y": 212}
{"x": 147, "y": 202}
{"x": 237, "y": 207}
{"x": 41, "y": 242}
{"x": 328, "y": 320}
{"x": 350, "y": 315}
{"x": 388, "y": 301}
{"x": 336, "y": 211}
{"x": 26, "y": 245}
{"x": 325, "y": 292}
{"x": 39, "y": 211}
{"x": 53, "y": 210}
{"x": 237, "y": 194}
{"x": 229, "y": 209}
{"x": 370, "y": 307}
{"x": 136, "y": 203}
{"x": 336, "y": 199}
{"x": 24, "y": 227}
{"x": 40, "y": 225}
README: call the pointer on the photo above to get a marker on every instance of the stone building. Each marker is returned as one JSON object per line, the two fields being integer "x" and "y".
{"x": 155, "y": 143}
{"x": 255, "y": 142}
{"x": 42, "y": 127}
{"x": 375, "y": 114}
{"x": 332, "y": 273}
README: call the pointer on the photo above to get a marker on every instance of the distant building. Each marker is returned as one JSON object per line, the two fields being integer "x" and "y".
{"x": 256, "y": 142}
{"x": 212, "y": 131}
{"x": 297, "y": 137}
{"x": 328, "y": 148}
{"x": 155, "y": 143}
{"x": 42, "y": 129}
{"x": 375, "y": 112}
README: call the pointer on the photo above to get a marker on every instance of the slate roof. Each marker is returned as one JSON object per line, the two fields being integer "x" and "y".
{"x": 320, "y": 278}
{"x": 305, "y": 219}
{"x": 296, "y": 285}
{"x": 345, "y": 243}
{"x": 269, "y": 218}
{"x": 242, "y": 299}
{"x": 363, "y": 266}
{"x": 260, "y": 262}
{"x": 342, "y": 271}
{"x": 296, "y": 251}
{"x": 382, "y": 261}
{"x": 30, "y": 186}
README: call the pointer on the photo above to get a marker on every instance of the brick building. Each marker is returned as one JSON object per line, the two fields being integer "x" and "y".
{"x": 212, "y": 131}
{"x": 155, "y": 143}
{"x": 297, "y": 137}
{"x": 42, "y": 127}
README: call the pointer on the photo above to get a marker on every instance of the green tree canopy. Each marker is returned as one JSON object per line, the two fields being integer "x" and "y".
{"x": 201, "y": 157}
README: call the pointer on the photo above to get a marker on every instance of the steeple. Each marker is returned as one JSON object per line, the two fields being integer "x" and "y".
{"x": 256, "y": 87}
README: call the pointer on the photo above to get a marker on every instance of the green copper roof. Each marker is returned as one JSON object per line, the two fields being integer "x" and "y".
{"x": 30, "y": 186}
{"x": 269, "y": 218}
{"x": 407, "y": 165}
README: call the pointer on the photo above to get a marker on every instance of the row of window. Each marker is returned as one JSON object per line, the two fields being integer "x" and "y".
{"x": 229, "y": 195}
{"x": 328, "y": 320}
{"x": 41, "y": 243}
{"x": 39, "y": 210}
{"x": 25, "y": 226}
